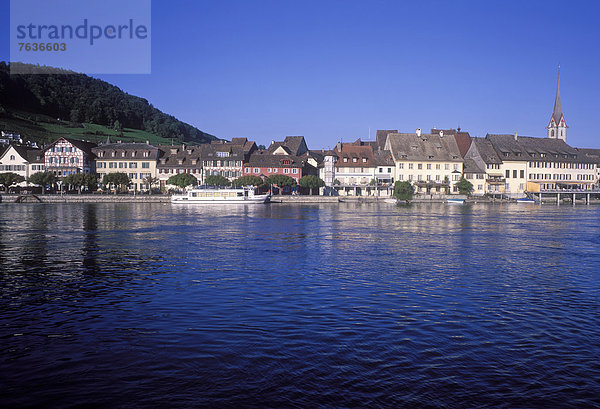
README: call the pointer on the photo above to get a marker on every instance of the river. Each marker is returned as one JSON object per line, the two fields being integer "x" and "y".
{"x": 326, "y": 305}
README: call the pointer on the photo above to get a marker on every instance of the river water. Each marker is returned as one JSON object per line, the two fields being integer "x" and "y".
{"x": 331, "y": 305}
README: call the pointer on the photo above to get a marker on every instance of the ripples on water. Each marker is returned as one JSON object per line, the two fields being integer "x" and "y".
{"x": 349, "y": 305}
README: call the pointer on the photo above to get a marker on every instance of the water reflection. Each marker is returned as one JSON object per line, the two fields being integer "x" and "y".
{"x": 299, "y": 305}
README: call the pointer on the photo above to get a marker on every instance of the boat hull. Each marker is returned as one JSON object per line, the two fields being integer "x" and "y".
{"x": 221, "y": 200}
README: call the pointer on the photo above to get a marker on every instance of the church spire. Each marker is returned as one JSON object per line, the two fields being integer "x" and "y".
{"x": 557, "y": 128}
{"x": 557, "y": 113}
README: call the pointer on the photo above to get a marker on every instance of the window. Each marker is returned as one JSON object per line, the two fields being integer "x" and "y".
{"x": 145, "y": 165}
{"x": 420, "y": 166}
{"x": 455, "y": 166}
{"x": 354, "y": 160}
{"x": 222, "y": 154}
{"x": 429, "y": 166}
{"x": 447, "y": 166}
{"x": 132, "y": 165}
{"x": 269, "y": 170}
{"x": 389, "y": 170}
{"x": 345, "y": 159}
{"x": 286, "y": 170}
{"x": 120, "y": 165}
{"x": 515, "y": 174}
{"x": 410, "y": 165}
{"x": 364, "y": 160}
{"x": 295, "y": 170}
{"x": 522, "y": 174}
{"x": 256, "y": 170}
{"x": 507, "y": 173}
{"x": 401, "y": 166}
{"x": 12, "y": 157}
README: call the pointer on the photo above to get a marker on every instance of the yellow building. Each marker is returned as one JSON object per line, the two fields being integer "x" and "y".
{"x": 136, "y": 160}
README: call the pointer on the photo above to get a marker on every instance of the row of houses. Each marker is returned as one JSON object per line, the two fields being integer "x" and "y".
{"x": 433, "y": 162}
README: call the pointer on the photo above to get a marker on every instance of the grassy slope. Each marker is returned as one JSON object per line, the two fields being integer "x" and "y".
{"x": 43, "y": 129}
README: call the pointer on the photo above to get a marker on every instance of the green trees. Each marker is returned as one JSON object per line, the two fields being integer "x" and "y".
{"x": 150, "y": 181}
{"x": 44, "y": 179}
{"x": 311, "y": 182}
{"x": 182, "y": 180}
{"x": 281, "y": 181}
{"x": 216, "y": 180}
{"x": 403, "y": 190}
{"x": 81, "y": 181}
{"x": 464, "y": 186}
{"x": 249, "y": 180}
{"x": 117, "y": 179}
{"x": 81, "y": 98}
{"x": 10, "y": 178}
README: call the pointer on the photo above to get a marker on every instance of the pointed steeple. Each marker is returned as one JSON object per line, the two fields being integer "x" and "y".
{"x": 557, "y": 128}
{"x": 557, "y": 114}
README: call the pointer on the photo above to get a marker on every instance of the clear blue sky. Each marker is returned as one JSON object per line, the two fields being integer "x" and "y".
{"x": 330, "y": 70}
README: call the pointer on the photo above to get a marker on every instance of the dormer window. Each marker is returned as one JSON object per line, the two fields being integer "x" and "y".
{"x": 430, "y": 156}
{"x": 113, "y": 154}
{"x": 364, "y": 160}
{"x": 146, "y": 154}
{"x": 505, "y": 154}
{"x": 174, "y": 151}
{"x": 354, "y": 160}
{"x": 222, "y": 154}
{"x": 345, "y": 159}
{"x": 123, "y": 154}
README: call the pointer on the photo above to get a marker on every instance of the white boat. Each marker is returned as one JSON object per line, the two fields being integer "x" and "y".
{"x": 214, "y": 195}
{"x": 525, "y": 200}
{"x": 455, "y": 201}
{"x": 390, "y": 201}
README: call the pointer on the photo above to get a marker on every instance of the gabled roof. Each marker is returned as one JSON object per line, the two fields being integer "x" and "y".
{"x": 426, "y": 147}
{"x": 381, "y": 137}
{"x": 486, "y": 150}
{"x": 132, "y": 150}
{"x": 263, "y": 158}
{"x": 85, "y": 146}
{"x": 355, "y": 150}
{"x": 180, "y": 156}
{"x": 534, "y": 149}
{"x": 470, "y": 166}
{"x": 31, "y": 155}
{"x": 383, "y": 158}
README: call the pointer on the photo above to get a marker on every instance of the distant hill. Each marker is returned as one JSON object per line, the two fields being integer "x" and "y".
{"x": 43, "y": 107}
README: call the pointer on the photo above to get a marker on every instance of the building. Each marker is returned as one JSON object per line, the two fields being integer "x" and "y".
{"x": 355, "y": 169}
{"x": 262, "y": 163}
{"x": 68, "y": 156}
{"x": 176, "y": 159}
{"x": 7, "y": 138}
{"x": 516, "y": 164}
{"x": 557, "y": 127}
{"x": 22, "y": 160}
{"x": 226, "y": 158}
{"x": 431, "y": 162}
{"x": 482, "y": 153}
{"x": 137, "y": 160}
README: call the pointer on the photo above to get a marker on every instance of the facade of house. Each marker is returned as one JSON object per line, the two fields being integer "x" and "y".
{"x": 226, "y": 158}
{"x": 68, "y": 156}
{"x": 262, "y": 163}
{"x": 482, "y": 152}
{"x": 137, "y": 160}
{"x": 355, "y": 169}
{"x": 173, "y": 160}
{"x": 22, "y": 160}
{"x": 432, "y": 163}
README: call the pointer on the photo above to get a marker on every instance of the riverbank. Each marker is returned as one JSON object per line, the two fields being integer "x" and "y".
{"x": 279, "y": 199}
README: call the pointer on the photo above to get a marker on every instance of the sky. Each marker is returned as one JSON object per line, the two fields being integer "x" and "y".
{"x": 339, "y": 70}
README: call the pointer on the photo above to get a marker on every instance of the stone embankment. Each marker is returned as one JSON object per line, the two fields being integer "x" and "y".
{"x": 13, "y": 198}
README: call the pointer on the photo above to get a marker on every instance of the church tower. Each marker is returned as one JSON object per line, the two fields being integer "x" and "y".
{"x": 557, "y": 128}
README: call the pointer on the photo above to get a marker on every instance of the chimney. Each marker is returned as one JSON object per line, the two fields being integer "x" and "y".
{"x": 516, "y": 137}
{"x": 441, "y": 134}
{"x": 418, "y": 131}
{"x": 339, "y": 146}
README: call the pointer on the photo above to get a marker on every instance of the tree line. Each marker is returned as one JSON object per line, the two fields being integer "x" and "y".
{"x": 79, "y": 98}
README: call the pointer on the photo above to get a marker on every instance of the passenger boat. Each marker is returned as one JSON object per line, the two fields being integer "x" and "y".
{"x": 213, "y": 195}
{"x": 455, "y": 201}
